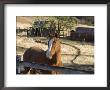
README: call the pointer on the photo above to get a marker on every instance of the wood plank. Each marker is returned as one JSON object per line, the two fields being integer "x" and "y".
{"x": 64, "y": 70}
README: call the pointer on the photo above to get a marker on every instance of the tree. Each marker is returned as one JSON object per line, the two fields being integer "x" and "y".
{"x": 67, "y": 22}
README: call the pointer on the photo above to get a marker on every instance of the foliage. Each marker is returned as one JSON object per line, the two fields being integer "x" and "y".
{"x": 62, "y": 22}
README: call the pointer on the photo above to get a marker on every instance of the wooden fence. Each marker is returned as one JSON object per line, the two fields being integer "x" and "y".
{"x": 21, "y": 64}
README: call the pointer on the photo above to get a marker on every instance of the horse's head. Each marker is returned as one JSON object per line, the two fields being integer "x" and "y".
{"x": 53, "y": 46}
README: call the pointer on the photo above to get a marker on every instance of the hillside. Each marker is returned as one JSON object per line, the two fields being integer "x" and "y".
{"x": 24, "y": 21}
{"x": 27, "y": 21}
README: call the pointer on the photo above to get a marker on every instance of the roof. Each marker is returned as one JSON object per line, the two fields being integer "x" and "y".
{"x": 84, "y": 26}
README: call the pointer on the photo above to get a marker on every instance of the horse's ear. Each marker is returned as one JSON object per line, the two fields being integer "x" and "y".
{"x": 56, "y": 35}
{"x": 51, "y": 35}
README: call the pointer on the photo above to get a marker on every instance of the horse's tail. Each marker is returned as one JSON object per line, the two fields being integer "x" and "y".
{"x": 27, "y": 55}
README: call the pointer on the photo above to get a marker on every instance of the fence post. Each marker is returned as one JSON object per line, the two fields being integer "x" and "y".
{"x": 18, "y": 59}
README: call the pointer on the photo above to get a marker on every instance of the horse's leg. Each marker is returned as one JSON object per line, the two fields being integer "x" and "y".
{"x": 56, "y": 72}
{"x": 46, "y": 72}
{"x": 33, "y": 71}
{"x": 53, "y": 72}
{"x": 26, "y": 70}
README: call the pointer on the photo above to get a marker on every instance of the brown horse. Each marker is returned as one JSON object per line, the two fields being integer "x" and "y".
{"x": 50, "y": 57}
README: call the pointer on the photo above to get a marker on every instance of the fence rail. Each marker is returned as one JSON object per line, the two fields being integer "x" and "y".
{"x": 64, "y": 70}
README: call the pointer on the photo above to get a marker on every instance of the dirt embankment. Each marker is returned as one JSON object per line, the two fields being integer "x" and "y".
{"x": 86, "y": 55}
{"x": 24, "y": 22}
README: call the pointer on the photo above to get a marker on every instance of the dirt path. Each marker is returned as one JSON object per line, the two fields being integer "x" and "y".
{"x": 77, "y": 51}
{"x": 76, "y": 56}
{"x": 71, "y": 54}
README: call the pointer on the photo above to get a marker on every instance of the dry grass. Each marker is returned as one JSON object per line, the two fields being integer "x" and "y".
{"x": 86, "y": 56}
{"x": 24, "y": 21}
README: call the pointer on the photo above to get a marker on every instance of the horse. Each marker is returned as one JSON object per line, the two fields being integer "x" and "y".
{"x": 51, "y": 57}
